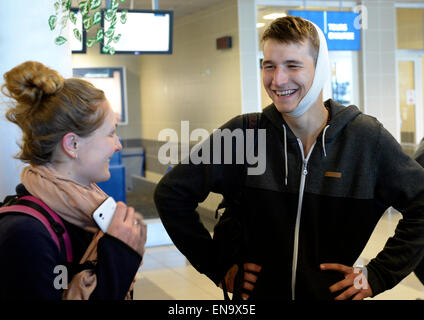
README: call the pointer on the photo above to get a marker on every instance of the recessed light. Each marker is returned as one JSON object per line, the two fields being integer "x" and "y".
{"x": 274, "y": 15}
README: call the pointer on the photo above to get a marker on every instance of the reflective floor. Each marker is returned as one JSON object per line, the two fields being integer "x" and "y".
{"x": 167, "y": 275}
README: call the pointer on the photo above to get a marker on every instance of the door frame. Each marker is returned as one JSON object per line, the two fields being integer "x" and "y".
{"x": 415, "y": 56}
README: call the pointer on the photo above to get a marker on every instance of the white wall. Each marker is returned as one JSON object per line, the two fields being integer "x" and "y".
{"x": 24, "y": 35}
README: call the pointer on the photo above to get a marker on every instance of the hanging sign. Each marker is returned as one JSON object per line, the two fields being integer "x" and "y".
{"x": 338, "y": 27}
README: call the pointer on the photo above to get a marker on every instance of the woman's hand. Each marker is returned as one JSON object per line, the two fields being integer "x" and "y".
{"x": 129, "y": 227}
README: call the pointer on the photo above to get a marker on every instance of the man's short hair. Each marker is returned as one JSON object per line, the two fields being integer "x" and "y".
{"x": 291, "y": 29}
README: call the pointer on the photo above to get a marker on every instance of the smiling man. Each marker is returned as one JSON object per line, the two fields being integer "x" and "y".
{"x": 331, "y": 173}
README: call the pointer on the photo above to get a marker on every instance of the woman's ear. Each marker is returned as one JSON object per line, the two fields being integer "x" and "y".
{"x": 70, "y": 145}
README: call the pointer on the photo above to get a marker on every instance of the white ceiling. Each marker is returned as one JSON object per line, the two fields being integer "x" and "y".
{"x": 186, "y": 7}
{"x": 180, "y": 7}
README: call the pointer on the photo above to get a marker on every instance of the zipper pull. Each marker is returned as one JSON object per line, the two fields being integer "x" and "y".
{"x": 305, "y": 170}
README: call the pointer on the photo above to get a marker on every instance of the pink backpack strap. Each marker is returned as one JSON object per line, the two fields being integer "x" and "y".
{"x": 53, "y": 229}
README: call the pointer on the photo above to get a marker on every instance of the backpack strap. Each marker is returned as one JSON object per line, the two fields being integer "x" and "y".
{"x": 36, "y": 208}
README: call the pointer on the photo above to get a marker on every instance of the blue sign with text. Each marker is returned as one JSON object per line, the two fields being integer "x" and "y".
{"x": 339, "y": 27}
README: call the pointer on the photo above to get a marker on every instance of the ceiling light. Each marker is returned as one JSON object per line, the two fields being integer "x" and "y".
{"x": 274, "y": 15}
{"x": 260, "y": 25}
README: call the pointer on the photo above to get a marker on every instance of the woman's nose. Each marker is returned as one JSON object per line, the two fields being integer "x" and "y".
{"x": 118, "y": 145}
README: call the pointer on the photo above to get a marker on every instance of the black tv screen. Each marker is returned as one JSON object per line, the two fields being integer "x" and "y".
{"x": 144, "y": 32}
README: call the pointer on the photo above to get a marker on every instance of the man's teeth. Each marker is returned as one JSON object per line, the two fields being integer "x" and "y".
{"x": 285, "y": 92}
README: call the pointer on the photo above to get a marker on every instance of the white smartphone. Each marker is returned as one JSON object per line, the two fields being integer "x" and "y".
{"x": 104, "y": 213}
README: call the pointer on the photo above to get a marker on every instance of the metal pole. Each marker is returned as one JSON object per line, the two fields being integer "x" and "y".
{"x": 155, "y": 4}
{"x": 304, "y": 4}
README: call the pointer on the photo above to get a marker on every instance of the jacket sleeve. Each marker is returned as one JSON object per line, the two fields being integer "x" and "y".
{"x": 181, "y": 190}
{"x": 116, "y": 268}
{"x": 400, "y": 184}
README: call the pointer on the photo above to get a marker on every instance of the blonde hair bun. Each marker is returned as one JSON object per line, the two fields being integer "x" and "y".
{"x": 30, "y": 81}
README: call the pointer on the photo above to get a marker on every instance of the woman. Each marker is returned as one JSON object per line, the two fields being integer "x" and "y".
{"x": 68, "y": 138}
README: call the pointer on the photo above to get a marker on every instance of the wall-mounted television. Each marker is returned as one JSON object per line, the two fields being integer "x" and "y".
{"x": 76, "y": 45}
{"x": 144, "y": 32}
{"x": 112, "y": 80}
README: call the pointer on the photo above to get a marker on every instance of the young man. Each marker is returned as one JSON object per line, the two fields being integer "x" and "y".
{"x": 331, "y": 172}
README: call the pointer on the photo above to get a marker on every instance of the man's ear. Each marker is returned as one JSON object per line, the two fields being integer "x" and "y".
{"x": 70, "y": 143}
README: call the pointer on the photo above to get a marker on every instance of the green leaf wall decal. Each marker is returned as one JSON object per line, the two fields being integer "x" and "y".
{"x": 77, "y": 34}
{"x": 83, "y": 7}
{"x": 94, "y": 4}
{"x": 52, "y": 22}
{"x": 87, "y": 22}
{"x": 60, "y": 40}
{"x": 90, "y": 42}
{"x": 97, "y": 17}
{"x": 123, "y": 17}
{"x": 73, "y": 17}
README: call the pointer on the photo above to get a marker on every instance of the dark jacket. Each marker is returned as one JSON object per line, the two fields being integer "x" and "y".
{"x": 28, "y": 257}
{"x": 419, "y": 157}
{"x": 355, "y": 171}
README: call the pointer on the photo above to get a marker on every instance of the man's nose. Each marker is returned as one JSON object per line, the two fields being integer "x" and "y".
{"x": 280, "y": 76}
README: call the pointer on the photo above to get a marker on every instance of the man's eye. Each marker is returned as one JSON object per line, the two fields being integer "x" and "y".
{"x": 268, "y": 67}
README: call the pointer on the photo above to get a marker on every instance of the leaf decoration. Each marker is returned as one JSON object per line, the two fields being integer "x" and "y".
{"x": 63, "y": 13}
{"x": 115, "y": 5}
{"x": 90, "y": 42}
{"x": 73, "y": 17}
{"x": 114, "y": 19}
{"x": 64, "y": 21}
{"x": 123, "y": 17}
{"x": 117, "y": 38}
{"x": 87, "y": 22}
{"x": 109, "y": 33}
{"x": 97, "y": 17}
{"x": 52, "y": 22}
{"x": 94, "y": 4}
{"x": 99, "y": 35}
{"x": 109, "y": 15}
{"x": 83, "y": 8}
{"x": 60, "y": 40}
{"x": 77, "y": 34}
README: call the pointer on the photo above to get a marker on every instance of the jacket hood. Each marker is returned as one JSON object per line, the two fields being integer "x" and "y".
{"x": 340, "y": 116}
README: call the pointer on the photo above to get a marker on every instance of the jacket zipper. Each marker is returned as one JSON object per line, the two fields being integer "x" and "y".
{"x": 299, "y": 211}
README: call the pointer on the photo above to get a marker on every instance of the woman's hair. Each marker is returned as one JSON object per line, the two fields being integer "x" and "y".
{"x": 48, "y": 107}
{"x": 291, "y": 29}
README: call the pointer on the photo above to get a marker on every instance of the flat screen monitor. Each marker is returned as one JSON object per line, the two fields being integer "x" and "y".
{"x": 76, "y": 45}
{"x": 112, "y": 80}
{"x": 144, "y": 32}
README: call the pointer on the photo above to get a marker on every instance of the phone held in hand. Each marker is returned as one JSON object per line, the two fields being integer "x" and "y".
{"x": 104, "y": 213}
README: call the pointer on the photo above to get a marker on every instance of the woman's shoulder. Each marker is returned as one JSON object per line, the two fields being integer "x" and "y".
{"x": 24, "y": 232}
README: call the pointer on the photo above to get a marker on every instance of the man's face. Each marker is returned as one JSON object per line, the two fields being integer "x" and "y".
{"x": 288, "y": 73}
